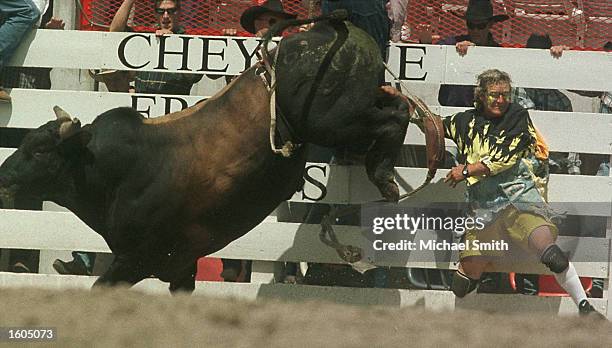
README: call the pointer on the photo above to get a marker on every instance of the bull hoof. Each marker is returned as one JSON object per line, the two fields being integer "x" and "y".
{"x": 390, "y": 191}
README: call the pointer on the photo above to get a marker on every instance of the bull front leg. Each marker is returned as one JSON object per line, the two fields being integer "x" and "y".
{"x": 390, "y": 128}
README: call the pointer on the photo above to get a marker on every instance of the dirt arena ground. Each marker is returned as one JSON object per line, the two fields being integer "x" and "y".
{"x": 121, "y": 318}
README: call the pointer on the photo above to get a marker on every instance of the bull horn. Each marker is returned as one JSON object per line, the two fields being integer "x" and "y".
{"x": 60, "y": 113}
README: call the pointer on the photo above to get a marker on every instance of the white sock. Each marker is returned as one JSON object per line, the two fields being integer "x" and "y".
{"x": 570, "y": 282}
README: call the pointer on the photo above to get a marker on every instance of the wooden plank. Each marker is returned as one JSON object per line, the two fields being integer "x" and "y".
{"x": 84, "y": 105}
{"x": 223, "y": 55}
{"x": 574, "y": 194}
{"x": 532, "y": 67}
{"x": 274, "y": 241}
{"x": 429, "y": 299}
{"x": 592, "y": 133}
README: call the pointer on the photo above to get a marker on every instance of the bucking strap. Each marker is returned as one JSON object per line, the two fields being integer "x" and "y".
{"x": 434, "y": 143}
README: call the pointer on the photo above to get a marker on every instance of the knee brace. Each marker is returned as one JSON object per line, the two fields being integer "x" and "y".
{"x": 462, "y": 284}
{"x": 555, "y": 259}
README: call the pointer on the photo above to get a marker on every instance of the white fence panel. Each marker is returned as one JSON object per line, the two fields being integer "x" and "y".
{"x": 273, "y": 241}
{"x": 591, "y": 133}
{"x": 231, "y": 55}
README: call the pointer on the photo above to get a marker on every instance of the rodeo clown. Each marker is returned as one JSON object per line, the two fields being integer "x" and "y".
{"x": 506, "y": 172}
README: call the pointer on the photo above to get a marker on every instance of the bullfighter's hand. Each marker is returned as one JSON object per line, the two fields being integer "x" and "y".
{"x": 462, "y": 47}
{"x": 454, "y": 176}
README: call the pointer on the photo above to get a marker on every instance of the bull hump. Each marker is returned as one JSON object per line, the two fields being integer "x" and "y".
{"x": 123, "y": 115}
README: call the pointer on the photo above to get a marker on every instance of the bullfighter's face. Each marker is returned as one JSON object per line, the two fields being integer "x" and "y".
{"x": 497, "y": 100}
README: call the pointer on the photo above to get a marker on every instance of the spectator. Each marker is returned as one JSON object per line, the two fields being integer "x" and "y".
{"x": 396, "y": 10}
{"x": 154, "y": 82}
{"x": 19, "y": 16}
{"x": 479, "y": 19}
{"x": 258, "y": 19}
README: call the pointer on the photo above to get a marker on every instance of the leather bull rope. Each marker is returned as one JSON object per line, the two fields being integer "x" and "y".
{"x": 433, "y": 128}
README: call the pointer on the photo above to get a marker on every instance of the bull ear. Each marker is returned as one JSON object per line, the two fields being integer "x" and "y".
{"x": 74, "y": 146}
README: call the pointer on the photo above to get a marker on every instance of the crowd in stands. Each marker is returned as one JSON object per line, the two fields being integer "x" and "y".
{"x": 383, "y": 20}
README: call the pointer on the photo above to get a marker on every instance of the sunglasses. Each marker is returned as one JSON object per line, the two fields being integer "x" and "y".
{"x": 496, "y": 95}
{"x": 161, "y": 11}
{"x": 478, "y": 26}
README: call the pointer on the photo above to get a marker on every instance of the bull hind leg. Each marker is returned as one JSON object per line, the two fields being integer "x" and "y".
{"x": 124, "y": 270}
{"x": 392, "y": 123}
{"x": 184, "y": 282}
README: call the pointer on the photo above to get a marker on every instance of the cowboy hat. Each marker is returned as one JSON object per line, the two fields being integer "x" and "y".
{"x": 247, "y": 20}
{"x": 482, "y": 11}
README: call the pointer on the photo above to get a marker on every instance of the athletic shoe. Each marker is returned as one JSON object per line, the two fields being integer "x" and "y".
{"x": 75, "y": 267}
{"x": 585, "y": 309}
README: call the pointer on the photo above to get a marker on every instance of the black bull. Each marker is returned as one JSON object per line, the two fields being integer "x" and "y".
{"x": 163, "y": 192}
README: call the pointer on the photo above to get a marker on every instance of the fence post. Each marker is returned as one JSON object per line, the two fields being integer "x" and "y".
{"x": 265, "y": 272}
{"x": 608, "y": 284}
{"x": 69, "y": 79}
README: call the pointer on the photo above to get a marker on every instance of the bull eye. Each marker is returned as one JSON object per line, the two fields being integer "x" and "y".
{"x": 272, "y": 21}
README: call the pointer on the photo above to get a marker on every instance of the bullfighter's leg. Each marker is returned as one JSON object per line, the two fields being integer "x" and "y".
{"x": 392, "y": 123}
{"x": 124, "y": 270}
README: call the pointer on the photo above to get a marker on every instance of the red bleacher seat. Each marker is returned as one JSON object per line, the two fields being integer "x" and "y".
{"x": 209, "y": 269}
{"x": 548, "y": 286}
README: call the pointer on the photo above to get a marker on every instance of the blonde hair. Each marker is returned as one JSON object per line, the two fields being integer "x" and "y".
{"x": 486, "y": 79}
